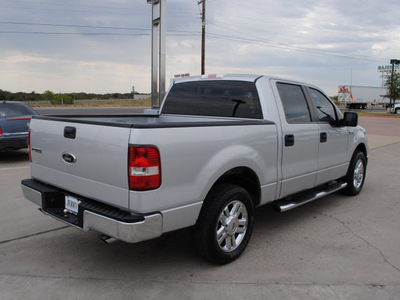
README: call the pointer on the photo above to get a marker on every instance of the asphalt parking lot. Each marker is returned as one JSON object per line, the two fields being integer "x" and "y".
{"x": 335, "y": 248}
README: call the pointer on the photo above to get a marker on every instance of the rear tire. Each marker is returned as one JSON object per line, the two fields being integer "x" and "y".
{"x": 397, "y": 111}
{"x": 356, "y": 174}
{"x": 225, "y": 224}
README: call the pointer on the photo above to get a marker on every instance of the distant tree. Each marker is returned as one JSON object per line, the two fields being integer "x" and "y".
{"x": 48, "y": 95}
{"x": 5, "y": 95}
{"x": 18, "y": 96}
{"x": 82, "y": 96}
{"x": 64, "y": 99}
{"x": 392, "y": 85}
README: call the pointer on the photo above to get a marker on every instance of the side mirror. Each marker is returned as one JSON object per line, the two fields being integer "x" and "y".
{"x": 350, "y": 119}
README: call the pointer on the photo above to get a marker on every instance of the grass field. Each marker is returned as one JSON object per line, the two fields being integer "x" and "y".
{"x": 100, "y": 103}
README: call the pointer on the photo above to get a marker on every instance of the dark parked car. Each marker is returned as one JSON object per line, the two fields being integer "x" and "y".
{"x": 14, "y": 125}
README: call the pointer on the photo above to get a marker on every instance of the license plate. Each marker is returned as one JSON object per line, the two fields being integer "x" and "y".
{"x": 72, "y": 204}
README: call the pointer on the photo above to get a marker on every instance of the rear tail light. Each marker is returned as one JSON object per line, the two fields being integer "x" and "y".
{"x": 29, "y": 145}
{"x": 1, "y": 133}
{"x": 144, "y": 168}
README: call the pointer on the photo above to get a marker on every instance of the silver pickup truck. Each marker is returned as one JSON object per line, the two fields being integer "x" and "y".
{"x": 221, "y": 146}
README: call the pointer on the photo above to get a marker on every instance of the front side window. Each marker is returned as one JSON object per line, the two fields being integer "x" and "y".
{"x": 294, "y": 103}
{"x": 220, "y": 98}
{"x": 325, "y": 110}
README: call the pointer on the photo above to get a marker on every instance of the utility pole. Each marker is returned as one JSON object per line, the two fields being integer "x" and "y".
{"x": 392, "y": 87}
{"x": 203, "y": 36}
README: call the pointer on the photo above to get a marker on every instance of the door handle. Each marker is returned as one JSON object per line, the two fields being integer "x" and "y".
{"x": 289, "y": 140}
{"x": 69, "y": 132}
{"x": 323, "y": 137}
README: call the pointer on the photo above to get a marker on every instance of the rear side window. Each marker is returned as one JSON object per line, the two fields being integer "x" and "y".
{"x": 294, "y": 103}
{"x": 220, "y": 98}
{"x": 9, "y": 110}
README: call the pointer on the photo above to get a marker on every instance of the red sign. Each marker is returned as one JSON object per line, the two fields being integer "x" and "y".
{"x": 182, "y": 75}
{"x": 344, "y": 89}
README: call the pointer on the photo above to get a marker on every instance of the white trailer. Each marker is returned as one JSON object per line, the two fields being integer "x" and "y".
{"x": 359, "y": 97}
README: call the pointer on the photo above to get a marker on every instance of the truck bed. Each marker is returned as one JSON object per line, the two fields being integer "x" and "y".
{"x": 151, "y": 121}
{"x": 99, "y": 145}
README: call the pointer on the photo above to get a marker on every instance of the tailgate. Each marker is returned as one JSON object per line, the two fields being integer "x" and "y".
{"x": 88, "y": 160}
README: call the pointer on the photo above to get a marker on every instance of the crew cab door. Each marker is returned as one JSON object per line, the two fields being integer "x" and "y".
{"x": 332, "y": 156}
{"x": 300, "y": 140}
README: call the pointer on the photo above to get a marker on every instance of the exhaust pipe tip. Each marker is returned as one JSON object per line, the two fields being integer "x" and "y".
{"x": 108, "y": 239}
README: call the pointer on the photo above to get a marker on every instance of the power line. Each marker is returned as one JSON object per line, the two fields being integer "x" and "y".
{"x": 296, "y": 48}
{"x": 185, "y": 32}
{"x": 70, "y": 25}
{"x": 73, "y": 33}
{"x": 177, "y": 33}
{"x": 91, "y": 27}
{"x": 251, "y": 40}
{"x": 77, "y": 10}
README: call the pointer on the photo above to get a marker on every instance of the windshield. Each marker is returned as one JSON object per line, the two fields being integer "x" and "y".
{"x": 221, "y": 98}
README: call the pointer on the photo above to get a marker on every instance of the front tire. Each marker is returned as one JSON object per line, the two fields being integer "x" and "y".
{"x": 356, "y": 174}
{"x": 397, "y": 111}
{"x": 225, "y": 224}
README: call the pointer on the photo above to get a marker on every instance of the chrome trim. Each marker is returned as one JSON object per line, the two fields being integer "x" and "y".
{"x": 69, "y": 157}
{"x": 150, "y": 228}
{"x": 58, "y": 219}
{"x": 32, "y": 195}
{"x": 285, "y": 206}
{"x": 14, "y": 133}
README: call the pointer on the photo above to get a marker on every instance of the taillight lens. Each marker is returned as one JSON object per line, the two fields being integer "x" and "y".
{"x": 29, "y": 145}
{"x": 1, "y": 133}
{"x": 144, "y": 168}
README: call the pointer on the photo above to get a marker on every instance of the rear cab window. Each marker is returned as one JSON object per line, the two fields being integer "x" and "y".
{"x": 220, "y": 98}
{"x": 10, "y": 110}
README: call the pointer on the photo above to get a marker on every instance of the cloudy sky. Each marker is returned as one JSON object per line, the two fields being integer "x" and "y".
{"x": 104, "y": 46}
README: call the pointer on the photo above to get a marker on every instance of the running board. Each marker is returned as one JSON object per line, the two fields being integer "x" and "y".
{"x": 290, "y": 202}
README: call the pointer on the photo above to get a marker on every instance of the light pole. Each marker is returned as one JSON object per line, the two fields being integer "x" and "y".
{"x": 158, "y": 52}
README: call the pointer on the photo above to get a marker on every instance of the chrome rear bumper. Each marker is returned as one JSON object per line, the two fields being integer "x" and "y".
{"x": 130, "y": 228}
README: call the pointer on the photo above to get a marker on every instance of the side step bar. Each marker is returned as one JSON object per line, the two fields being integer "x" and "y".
{"x": 291, "y": 202}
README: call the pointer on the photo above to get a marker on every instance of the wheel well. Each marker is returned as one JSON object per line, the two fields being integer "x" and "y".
{"x": 362, "y": 149}
{"x": 245, "y": 178}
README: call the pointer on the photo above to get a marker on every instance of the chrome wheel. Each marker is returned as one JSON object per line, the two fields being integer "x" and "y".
{"x": 232, "y": 226}
{"x": 223, "y": 229}
{"x": 355, "y": 176}
{"x": 358, "y": 176}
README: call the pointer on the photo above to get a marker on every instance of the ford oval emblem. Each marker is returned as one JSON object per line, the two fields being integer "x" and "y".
{"x": 69, "y": 158}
